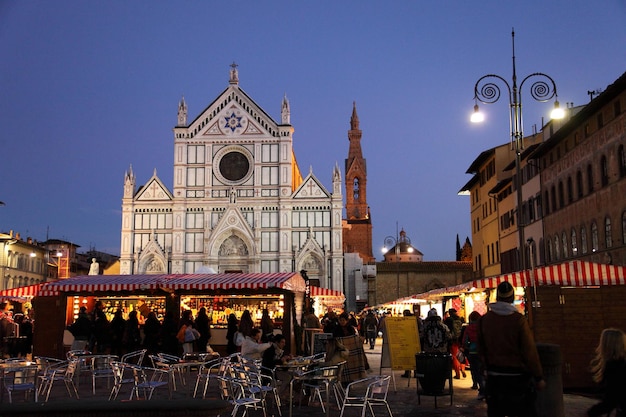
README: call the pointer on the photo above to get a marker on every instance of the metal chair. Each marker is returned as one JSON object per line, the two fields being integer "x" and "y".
{"x": 20, "y": 379}
{"x": 122, "y": 375}
{"x": 206, "y": 372}
{"x": 233, "y": 391}
{"x": 318, "y": 381}
{"x": 367, "y": 393}
{"x": 148, "y": 380}
{"x": 101, "y": 368}
{"x": 135, "y": 357}
{"x": 63, "y": 371}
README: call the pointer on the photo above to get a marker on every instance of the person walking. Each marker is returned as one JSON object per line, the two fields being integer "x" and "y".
{"x": 609, "y": 368}
{"x": 455, "y": 324}
{"x": 436, "y": 334}
{"x": 151, "y": 332}
{"x": 132, "y": 335}
{"x": 370, "y": 324}
{"x": 267, "y": 326}
{"x": 118, "y": 327}
{"x": 203, "y": 325}
{"x": 508, "y": 350}
{"x": 81, "y": 329}
{"x": 101, "y": 339}
{"x": 233, "y": 326}
{"x": 169, "y": 329}
{"x": 469, "y": 345}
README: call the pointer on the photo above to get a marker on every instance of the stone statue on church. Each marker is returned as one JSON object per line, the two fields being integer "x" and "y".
{"x": 94, "y": 268}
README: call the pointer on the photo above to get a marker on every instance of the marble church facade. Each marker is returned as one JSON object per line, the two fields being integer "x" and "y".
{"x": 238, "y": 201}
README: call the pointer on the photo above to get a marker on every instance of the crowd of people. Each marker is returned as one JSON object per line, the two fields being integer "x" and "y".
{"x": 95, "y": 333}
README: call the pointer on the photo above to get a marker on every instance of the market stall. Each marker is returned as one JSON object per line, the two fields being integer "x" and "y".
{"x": 325, "y": 298}
{"x": 220, "y": 294}
{"x": 564, "y": 302}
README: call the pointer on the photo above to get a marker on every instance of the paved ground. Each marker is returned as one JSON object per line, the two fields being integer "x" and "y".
{"x": 402, "y": 399}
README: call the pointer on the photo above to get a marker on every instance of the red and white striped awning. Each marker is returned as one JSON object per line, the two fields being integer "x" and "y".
{"x": 21, "y": 294}
{"x": 325, "y": 292}
{"x": 112, "y": 283}
{"x": 289, "y": 281}
{"x": 579, "y": 273}
{"x": 516, "y": 279}
{"x": 568, "y": 274}
{"x": 92, "y": 283}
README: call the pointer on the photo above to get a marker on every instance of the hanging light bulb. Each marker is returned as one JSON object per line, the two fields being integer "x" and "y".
{"x": 477, "y": 116}
{"x": 557, "y": 112}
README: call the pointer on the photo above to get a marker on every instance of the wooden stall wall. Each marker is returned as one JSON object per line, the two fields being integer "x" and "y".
{"x": 573, "y": 318}
{"x": 49, "y": 326}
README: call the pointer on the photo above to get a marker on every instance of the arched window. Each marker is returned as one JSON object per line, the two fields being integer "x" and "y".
{"x": 608, "y": 237}
{"x": 556, "y": 248}
{"x": 570, "y": 190}
{"x": 604, "y": 170}
{"x": 564, "y": 241}
{"x": 574, "y": 243}
{"x": 583, "y": 240}
{"x": 561, "y": 195}
{"x": 579, "y": 184}
{"x": 549, "y": 249}
{"x": 547, "y": 203}
{"x": 621, "y": 155}
{"x": 355, "y": 188}
{"x": 589, "y": 179}
{"x": 553, "y": 192}
{"x": 594, "y": 237}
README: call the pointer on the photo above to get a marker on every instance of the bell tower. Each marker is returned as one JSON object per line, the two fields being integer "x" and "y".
{"x": 357, "y": 235}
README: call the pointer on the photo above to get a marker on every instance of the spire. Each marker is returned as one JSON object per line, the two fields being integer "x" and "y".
{"x": 354, "y": 120}
{"x": 234, "y": 74}
{"x": 129, "y": 183}
{"x": 285, "y": 111}
{"x": 182, "y": 112}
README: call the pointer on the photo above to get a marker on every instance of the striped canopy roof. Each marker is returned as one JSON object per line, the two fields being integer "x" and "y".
{"x": 568, "y": 274}
{"x": 291, "y": 281}
{"x": 325, "y": 292}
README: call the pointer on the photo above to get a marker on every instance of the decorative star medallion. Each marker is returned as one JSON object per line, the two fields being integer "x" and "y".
{"x": 233, "y": 122}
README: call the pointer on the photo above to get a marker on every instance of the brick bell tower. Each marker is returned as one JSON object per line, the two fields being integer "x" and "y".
{"x": 357, "y": 226}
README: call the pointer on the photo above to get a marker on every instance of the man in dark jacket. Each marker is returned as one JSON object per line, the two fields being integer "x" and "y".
{"x": 510, "y": 356}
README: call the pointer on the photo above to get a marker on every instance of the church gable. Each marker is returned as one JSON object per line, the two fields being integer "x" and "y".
{"x": 233, "y": 113}
{"x": 311, "y": 188}
{"x": 231, "y": 223}
{"x": 154, "y": 190}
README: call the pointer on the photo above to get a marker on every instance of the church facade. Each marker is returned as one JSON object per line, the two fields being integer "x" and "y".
{"x": 238, "y": 203}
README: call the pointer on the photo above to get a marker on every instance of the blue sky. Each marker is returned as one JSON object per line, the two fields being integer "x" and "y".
{"x": 88, "y": 88}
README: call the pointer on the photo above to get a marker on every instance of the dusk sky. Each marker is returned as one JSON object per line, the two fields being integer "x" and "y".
{"x": 88, "y": 88}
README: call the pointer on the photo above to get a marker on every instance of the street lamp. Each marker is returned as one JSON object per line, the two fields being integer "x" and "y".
{"x": 542, "y": 89}
{"x": 397, "y": 242}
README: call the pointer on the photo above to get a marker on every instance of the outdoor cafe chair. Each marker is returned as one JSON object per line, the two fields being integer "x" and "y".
{"x": 19, "y": 378}
{"x": 122, "y": 375}
{"x": 206, "y": 372}
{"x": 62, "y": 371}
{"x": 147, "y": 380}
{"x": 135, "y": 357}
{"x": 234, "y": 391}
{"x": 319, "y": 381}
{"x": 367, "y": 393}
{"x": 101, "y": 368}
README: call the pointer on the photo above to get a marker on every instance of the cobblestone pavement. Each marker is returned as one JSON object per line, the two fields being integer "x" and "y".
{"x": 402, "y": 398}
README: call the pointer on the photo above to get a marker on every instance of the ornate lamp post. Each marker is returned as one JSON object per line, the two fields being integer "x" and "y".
{"x": 542, "y": 89}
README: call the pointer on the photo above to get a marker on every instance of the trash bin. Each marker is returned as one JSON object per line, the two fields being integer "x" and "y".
{"x": 550, "y": 400}
{"x": 432, "y": 370}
